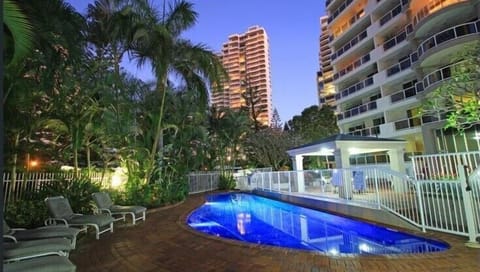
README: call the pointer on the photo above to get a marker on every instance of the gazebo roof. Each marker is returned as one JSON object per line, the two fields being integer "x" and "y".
{"x": 355, "y": 144}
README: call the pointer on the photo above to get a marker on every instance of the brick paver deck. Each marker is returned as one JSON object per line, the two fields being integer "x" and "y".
{"x": 165, "y": 243}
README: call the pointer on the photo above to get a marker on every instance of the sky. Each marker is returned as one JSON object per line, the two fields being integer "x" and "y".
{"x": 293, "y": 28}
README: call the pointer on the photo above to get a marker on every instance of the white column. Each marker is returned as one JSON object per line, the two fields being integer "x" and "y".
{"x": 397, "y": 164}
{"x": 342, "y": 178}
{"x": 342, "y": 158}
{"x": 297, "y": 162}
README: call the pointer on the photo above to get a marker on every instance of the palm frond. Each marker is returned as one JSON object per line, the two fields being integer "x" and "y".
{"x": 20, "y": 29}
{"x": 180, "y": 17}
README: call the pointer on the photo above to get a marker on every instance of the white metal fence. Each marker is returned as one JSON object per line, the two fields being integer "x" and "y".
{"x": 200, "y": 182}
{"x": 444, "y": 166}
{"x": 443, "y": 202}
{"x": 203, "y": 182}
{"x": 31, "y": 182}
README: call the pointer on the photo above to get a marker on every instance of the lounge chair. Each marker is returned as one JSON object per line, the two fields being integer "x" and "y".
{"x": 62, "y": 213}
{"x": 16, "y": 251}
{"x": 18, "y": 234}
{"x": 105, "y": 204}
{"x": 41, "y": 264}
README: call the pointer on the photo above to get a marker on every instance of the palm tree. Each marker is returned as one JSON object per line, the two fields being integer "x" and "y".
{"x": 57, "y": 43}
{"x": 159, "y": 42}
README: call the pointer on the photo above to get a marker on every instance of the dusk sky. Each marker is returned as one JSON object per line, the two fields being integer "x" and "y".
{"x": 293, "y": 28}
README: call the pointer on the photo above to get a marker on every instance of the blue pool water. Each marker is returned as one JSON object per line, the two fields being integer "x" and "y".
{"x": 260, "y": 220}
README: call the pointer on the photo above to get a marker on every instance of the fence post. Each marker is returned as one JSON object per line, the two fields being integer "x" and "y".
{"x": 377, "y": 191}
{"x": 418, "y": 188}
{"x": 467, "y": 202}
{"x": 289, "y": 182}
{"x": 270, "y": 181}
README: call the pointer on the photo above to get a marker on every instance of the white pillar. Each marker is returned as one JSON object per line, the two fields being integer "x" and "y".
{"x": 343, "y": 178}
{"x": 342, "y": 158}
{"x": 297, "y": 162}
{"x": 397, "y": 164}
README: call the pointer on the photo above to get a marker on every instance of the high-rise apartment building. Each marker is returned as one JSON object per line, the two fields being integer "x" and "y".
{"x": 326, "y": 90}
{"x": 247, "y": 61}
{"x": 387, "y": 55}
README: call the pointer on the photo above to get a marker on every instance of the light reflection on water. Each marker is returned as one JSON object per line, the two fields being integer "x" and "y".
{"x": 260, "y": 220}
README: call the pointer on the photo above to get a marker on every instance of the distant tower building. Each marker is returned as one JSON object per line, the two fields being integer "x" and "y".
{"x": 247, "y": 61}
{"x": 326, "y": 89}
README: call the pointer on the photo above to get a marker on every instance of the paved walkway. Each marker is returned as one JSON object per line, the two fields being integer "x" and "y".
{"x": 165, "y": 243}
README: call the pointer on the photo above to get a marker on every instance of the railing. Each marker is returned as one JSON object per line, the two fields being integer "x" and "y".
{"x": 354, "y": 88}
{"x": 349, "y": 45}
{"x": 344, "y": 28}
{"x": 449, "y": 204}
{"x": 397, "y": 68}
{"x": 32, "y": 182}
{"x": 393, "y": 12}
{"x": 431, "y": 6}
{"x": 370, "y": 131}
{"x": 339, "y": 10}
{"x": 450, "y": 192}
{"x": 439, "y": 75}
{"x": 357, "y": 110}
{"x": 413, "y": 122}
{"x": 372, "y": 186}
{"x": 357, "y": 63}
{"x": 405, "y": 93}
{"x": 443, "y": 166}
{"x": 449, "y": 34}
{"x": 395, "y": 40}
{"x": 203, "y": 182}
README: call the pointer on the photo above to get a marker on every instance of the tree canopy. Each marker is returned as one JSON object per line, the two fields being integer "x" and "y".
{"x": 314, "y": 123}
{"x": 458, "y": 98}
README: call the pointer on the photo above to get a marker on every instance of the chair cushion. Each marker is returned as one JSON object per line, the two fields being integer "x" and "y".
{"x": 100, "y": 220}
{"x": 41, "y": 264}
{"x": 127, "y": 209}
{"x": 35, "y": 247}
{"x": 102, "y": 199}
{"x": 47, "y": 232}
{"x": 59, "y": 207}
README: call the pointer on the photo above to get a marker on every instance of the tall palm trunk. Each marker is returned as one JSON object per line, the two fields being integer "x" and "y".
{"x": 157, "y": 146}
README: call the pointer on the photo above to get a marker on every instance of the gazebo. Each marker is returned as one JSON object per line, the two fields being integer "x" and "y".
{"x": 342, "y": 146}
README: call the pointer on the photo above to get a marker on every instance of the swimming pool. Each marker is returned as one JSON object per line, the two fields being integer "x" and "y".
{"x": 260, "y": 220}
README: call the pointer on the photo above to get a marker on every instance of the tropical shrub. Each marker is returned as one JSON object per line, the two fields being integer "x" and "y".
{"x": 31, "y": 211}
{"x": 78, "y": 191}
{"x": 226, "y": 182}
{"x": 26, "y": 213}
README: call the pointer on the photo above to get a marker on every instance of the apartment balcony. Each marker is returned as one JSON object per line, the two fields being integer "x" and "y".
{"x": 395, "y": 46}
{"x": 355, "y": 43}
{"x": 396, "y": 71}
{"x": 435, "y": 13}
{"x": 433, "y": 79}
{"x": 393, "y": 18}
{"x": 356, "y": 68}
{"x": 398, "y": 98}
{"x": 434, "y": 49}
{"x": 357, "y": 88}
{"x": 358, "y": 110}
{"x": 335, "y": 13}
{"x": 370, "y": 131}
{"x": 331, "y": 3}
{"x": 356, "y": 24}
{"x": 407, "y": 126}
{"x": 378, "y": 6}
